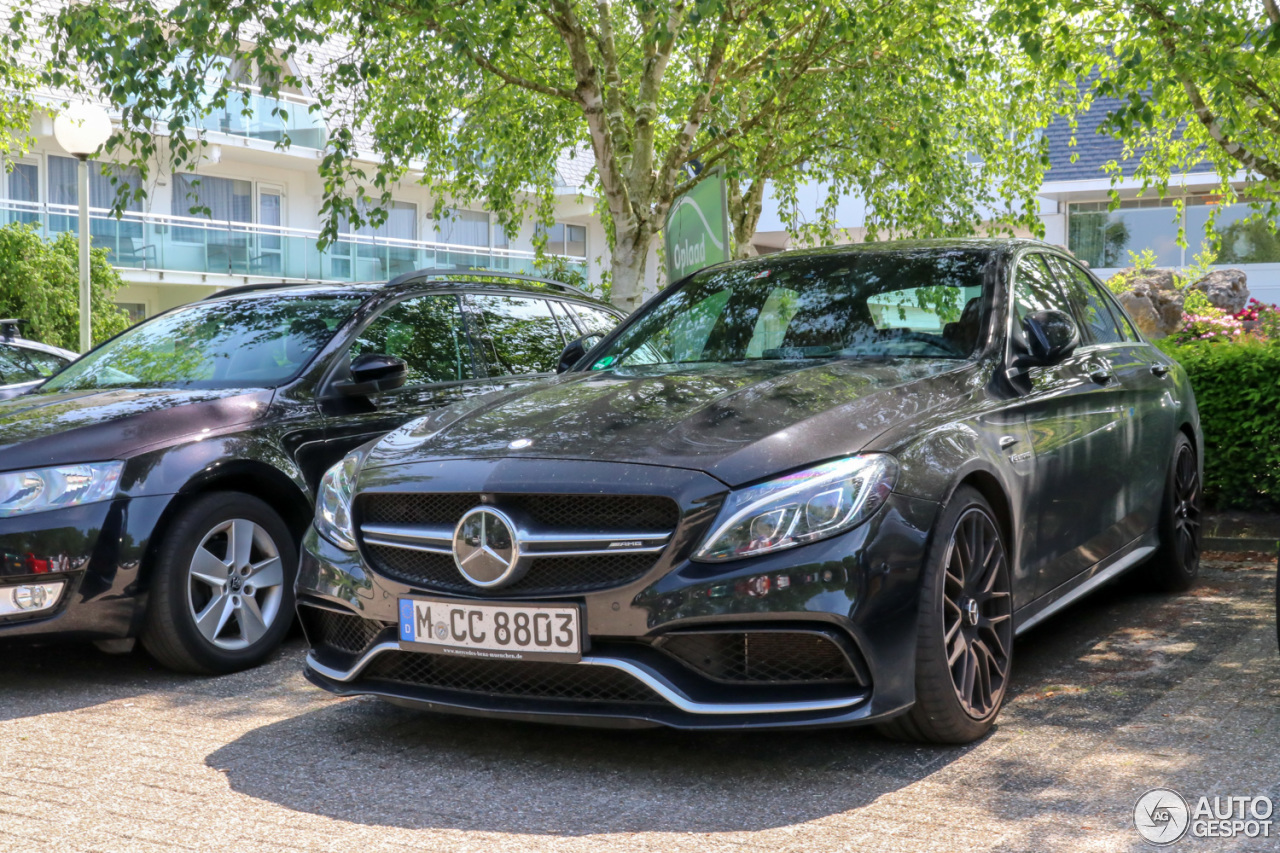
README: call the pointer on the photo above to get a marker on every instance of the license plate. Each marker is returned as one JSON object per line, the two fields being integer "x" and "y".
{"x": 493, "y": 631}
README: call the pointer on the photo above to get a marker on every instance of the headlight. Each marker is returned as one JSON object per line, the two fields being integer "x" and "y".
{"x": 55, "y": 488}
{"x": 802, "y": 507}
{"x": 333, "y": 504}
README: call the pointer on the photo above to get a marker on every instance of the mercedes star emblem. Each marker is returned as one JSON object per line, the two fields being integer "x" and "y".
{"x": 486, "y": 549}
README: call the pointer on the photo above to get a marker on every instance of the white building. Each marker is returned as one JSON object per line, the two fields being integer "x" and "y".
{"x": 1074, "y": 202}
{"x": 263, "y": 221}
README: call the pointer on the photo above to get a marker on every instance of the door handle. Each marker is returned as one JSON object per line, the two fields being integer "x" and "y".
{"x": 1161, "y": 370}
{"x": 1101, "y": 377}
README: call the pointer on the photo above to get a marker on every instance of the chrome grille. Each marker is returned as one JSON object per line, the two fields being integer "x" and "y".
{"x": 570, "y": 513}
{"x": 549, "y": 575}
{"x": 572, "y": 543}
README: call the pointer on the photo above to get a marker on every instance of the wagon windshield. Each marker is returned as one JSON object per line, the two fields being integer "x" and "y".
{"x": 257, "y": 342}
{"x": 922, "y": 303}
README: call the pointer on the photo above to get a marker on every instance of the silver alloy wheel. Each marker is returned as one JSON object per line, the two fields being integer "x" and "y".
{"x": 235, "y": 584}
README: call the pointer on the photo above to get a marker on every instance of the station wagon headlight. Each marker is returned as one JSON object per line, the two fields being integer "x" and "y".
{"x": 333, "y": 503}
{"x": 44, "y": 489}
{"x": 800, "y": 508}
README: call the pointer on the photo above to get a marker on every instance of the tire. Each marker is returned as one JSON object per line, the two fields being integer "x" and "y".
{"x": 218, "y": 605}
{"x": 1176, "y": 564}
{"x": 966, "y": 616}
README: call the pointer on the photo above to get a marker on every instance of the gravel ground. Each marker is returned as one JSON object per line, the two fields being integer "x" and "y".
{"x": 1123, "y": 693}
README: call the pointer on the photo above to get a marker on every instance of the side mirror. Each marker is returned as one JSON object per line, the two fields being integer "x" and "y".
{"x": 576, "y": 349}
{"x": 373, "y": 373}
{"x": 1050, "y": 336}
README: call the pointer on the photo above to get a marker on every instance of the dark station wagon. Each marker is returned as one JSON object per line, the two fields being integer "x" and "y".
{"x": 158, "y": 486}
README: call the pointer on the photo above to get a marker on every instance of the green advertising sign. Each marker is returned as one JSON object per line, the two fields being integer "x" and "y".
{"x": 696, "y": 233}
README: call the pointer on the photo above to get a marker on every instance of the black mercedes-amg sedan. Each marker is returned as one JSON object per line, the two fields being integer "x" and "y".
{"x": 813, "y": 488}
{"x": 157, "y": 487}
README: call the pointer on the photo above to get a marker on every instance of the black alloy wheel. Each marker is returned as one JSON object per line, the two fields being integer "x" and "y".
{"x": 964, "y": 646}
{"x": 1176, "y": 563}
{"x": 977, "y": 614}
{"x": 1186, "y": 506}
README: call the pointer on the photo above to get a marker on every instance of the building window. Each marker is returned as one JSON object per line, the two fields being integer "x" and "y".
{"x": 464, "y": 228}
{"x": 137, "y": 311}
{"x": 23, "y": 186}
{"x": 64, "y": 185}
{"x": 120, "y": 235}
{"x": 565, "y": 239}
{"x": 401, "y": 222}
{"x": 216, "y": 199}
{"x": 1104, "y": 238}
{"x": 1243, "y": 242}
{"x": 24, "y": 183}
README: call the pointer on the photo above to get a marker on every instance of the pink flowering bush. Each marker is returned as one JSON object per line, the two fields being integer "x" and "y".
{"x": 1261, "y": 319}
{"x": 1208, "y": 327}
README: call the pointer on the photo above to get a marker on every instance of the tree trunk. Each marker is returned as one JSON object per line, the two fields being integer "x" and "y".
{"x": 631, "y": 251}
{"x": 744, "y": 216}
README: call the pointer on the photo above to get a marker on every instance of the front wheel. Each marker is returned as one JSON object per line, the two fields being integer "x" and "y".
{"x": 964, "y": 645}
{"x": 221, "y": 586}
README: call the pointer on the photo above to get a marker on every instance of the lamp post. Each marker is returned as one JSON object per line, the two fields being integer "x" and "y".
{"x": 81, "y": 130}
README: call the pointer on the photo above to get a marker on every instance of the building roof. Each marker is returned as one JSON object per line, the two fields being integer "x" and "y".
{"x": 1093, "y": 150}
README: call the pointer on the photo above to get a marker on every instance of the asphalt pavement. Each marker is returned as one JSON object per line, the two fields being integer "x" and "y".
{"x": 1125, "y": 692}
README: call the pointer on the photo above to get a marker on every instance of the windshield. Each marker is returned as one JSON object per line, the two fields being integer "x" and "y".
{"x": 909, "y": 303}
{"x": 242, "y": 343}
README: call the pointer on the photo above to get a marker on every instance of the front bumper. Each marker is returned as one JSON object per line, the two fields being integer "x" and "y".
{"x": 859, "y": 591}
{"x": 95, "y": 551}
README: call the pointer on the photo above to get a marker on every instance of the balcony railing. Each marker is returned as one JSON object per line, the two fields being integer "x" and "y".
{"x": 147, "y": 241}
{"x": 294, "y": 116}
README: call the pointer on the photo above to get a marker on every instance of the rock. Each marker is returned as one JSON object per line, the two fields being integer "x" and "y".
{"x": 1161, "y": 314}
{"x": 1226, "y": 289}
{"x": 1143, "y": 313}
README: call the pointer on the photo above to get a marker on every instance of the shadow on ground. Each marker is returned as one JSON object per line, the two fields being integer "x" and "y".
{"x": 1088, "y": 672}
{"x": 55, "y": 677}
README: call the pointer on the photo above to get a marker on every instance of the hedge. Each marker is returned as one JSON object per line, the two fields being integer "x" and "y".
{"x": 1237, "y": 388}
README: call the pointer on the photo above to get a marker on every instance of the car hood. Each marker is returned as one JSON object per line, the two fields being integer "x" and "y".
{"x": 82, "y": 426}
{"x": 737, "y": 422}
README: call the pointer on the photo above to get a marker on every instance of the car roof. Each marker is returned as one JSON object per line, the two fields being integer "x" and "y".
{"x": 417, "y": 280}
{"x": 8, "y": 337}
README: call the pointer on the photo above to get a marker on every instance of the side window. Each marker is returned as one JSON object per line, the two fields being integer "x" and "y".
{"x": 1125, "y": 325}
{"x": 43, "y": 364}
{"x": 427, "y": 332}
{"x": 10, "y": 373}
{"x": 1090, "y": 308}
{"x": 592, "y": 320}
{"x": 567, "y": 323}
{"x": 518, "y": 334}
{"x": 19, "y": 364}
{"x": 1035, "y": 289}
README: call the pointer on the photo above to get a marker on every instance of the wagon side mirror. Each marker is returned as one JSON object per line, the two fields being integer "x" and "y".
{"x": 373, "y": 373}
{"x": 1048, "y": 337}
{"x": 576, "y": 349}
